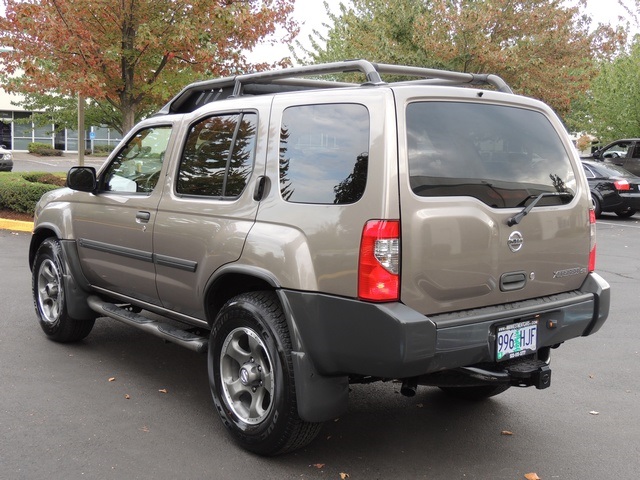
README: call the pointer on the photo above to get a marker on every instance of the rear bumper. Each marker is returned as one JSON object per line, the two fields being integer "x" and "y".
{"x": 348, "y": 337}
{"x": 631, "y": 200}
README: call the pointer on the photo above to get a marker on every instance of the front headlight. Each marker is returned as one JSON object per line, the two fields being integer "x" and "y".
{"x": 7, "y": 156}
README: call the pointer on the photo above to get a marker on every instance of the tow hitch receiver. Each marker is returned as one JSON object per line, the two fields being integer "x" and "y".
{"x": 530, "y": 373}
{"x": 518, "y": 373}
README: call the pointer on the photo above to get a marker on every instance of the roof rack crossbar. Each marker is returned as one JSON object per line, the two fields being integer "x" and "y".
{"x": 290, "y": 79}
{"x": 451, "y": 77}
{"x": 373, "y": 77}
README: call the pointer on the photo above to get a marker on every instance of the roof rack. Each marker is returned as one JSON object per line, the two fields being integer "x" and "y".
{"x": 198, "y": 94}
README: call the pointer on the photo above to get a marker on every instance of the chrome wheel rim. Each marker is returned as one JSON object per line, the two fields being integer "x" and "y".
{"x": 50, "y": 291}
{"x": 246, "y": 373}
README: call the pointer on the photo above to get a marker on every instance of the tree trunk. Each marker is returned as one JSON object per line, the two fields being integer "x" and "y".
{"x": 128, "y": 118}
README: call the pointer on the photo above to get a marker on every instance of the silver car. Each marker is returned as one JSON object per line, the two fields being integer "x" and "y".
{"x": 6, "y": 159}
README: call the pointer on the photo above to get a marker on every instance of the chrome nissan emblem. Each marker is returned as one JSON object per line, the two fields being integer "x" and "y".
{"x": 244, "y": 376}
{"x": 515, "y": 241}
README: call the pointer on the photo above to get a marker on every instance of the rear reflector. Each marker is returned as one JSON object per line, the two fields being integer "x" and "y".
{"x": 379, "y": 263}
{"x": 592, "y": 243}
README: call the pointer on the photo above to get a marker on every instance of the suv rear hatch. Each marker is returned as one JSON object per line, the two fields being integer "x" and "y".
{"x": 468, "y": 170}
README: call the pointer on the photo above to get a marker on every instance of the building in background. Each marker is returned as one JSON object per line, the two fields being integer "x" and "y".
{"x": 17, "y": 131}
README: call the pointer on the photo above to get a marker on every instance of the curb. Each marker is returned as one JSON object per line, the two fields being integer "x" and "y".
{"x": 16, "y": 225}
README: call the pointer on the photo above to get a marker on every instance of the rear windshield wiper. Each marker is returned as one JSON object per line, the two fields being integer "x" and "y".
{"x": 517, "y": 218}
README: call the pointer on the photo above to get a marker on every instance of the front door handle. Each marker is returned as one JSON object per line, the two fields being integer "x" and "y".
{"x": 143, "y": 217}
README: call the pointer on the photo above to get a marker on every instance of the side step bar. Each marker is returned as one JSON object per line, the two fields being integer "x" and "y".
{"x": 165, "y": 331}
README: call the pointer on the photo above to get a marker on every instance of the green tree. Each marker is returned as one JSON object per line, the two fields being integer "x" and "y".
{"x": 542, "y": 48}
{"x": 614, "y": 106}
{"x": 130, "y": 56}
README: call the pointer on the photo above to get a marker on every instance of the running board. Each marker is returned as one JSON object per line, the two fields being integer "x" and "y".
{"x": 165, "y": 331}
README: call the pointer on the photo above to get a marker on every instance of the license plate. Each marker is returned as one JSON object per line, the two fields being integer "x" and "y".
{"x": 516, "y": 340}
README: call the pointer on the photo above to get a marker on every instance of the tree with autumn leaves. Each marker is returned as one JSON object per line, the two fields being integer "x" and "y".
{"x": 542, "y": 48}
{"x": 130, "y": 56}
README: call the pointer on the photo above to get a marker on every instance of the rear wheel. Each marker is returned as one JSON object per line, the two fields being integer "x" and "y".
{"x": 629, "y": 212}
{"x": 475, "y": 393}
{"x": 49, "y": 296}
{"x": 596, "y": 206}
{"x": 251, "y": 376}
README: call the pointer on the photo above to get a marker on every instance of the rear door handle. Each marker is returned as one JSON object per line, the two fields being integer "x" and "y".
{"x": 143, "y": 217}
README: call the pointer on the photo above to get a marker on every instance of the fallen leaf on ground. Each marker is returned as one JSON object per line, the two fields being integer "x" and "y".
{"x": 163, "y": 390}
{"x": 144, "y": 428}
{"x": 532, "y": 476}
{"x": 506, "y": 432}
{"x": 318, "y": 465}
{"x": 127, "y": 396}
{"x": 112, "y": 379}
{"x": 343, "y": 475}
{"x": 593, "y": 412}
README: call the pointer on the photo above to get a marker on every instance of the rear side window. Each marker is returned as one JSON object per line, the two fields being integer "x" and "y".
{"x": 218, "y": 156}
{"x": 500, "y": 155}
{"x": 324, "y": 153}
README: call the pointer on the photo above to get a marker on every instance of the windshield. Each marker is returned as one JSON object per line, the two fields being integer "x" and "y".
{"x": 503, "y": 156}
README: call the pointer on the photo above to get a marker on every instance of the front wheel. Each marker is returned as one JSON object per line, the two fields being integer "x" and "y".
{"x": 251, "y": 376}
{"x": 49, "y": 296}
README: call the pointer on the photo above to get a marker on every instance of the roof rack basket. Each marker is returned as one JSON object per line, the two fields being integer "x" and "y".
{"x": 200, "y": 93}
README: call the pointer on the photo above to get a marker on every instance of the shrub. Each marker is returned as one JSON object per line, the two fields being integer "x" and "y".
{"x": 102, "y": 149}
{"x": 45, "y": 177}
{"x": 20, "y": 194}
{"x": 43, "y": 149}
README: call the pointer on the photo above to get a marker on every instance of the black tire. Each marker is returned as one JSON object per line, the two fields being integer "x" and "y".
{"x": 475, "y": 393}
{"x": 251, "y": 376}
{"x": 629, "y": 212}
{"x": 597, "y": 206}
{"x": 49, "y": 298}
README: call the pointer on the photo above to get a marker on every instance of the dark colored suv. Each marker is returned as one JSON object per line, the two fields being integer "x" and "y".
{"x": 309, "y": 234}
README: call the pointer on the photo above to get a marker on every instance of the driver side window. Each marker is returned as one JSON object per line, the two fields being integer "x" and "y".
{"x": 136, "y": 167}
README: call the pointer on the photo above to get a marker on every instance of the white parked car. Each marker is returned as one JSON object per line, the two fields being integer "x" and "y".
{"x": 6, "y": 159}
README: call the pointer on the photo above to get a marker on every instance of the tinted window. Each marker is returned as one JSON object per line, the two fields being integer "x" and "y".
{"x": 324, "y": 153}
{"x": 136, "y": 167}
{"x": 502, "y": 156}
{"x": 610, "y": 170}
{"x": 218, "y": 156}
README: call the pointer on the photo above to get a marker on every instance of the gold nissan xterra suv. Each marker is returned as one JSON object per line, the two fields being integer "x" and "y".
{"x": 308, "y": 234}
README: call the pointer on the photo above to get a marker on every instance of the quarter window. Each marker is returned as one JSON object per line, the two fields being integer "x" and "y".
{"x": 218, "y": 156}
{"x": 324, "y": 153}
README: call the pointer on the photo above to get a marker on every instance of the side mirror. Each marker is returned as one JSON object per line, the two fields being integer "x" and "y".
{"x": 82, "y": 179}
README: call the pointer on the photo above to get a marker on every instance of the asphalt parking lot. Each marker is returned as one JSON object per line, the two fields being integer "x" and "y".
{"x": 62, "y": 417}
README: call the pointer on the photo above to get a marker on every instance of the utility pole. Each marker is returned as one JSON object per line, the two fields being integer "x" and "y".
{"x": 81, "y": 141}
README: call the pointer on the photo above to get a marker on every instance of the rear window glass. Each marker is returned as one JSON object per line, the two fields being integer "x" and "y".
{"x": 503, "y": 156}
{"x": 324, "y": 153}
{"x": 611, "y": 170}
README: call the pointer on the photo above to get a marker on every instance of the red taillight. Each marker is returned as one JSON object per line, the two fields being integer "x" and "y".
{"x": 622, "y": 185}
{"x": 592, "y": 245}
{"x": 379, "y": 264}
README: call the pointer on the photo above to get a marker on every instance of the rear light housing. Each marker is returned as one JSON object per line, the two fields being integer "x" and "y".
{"x": 379, "y": 262}
{"x": 622, "y": 185}
{"x": 592, "y": 243}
